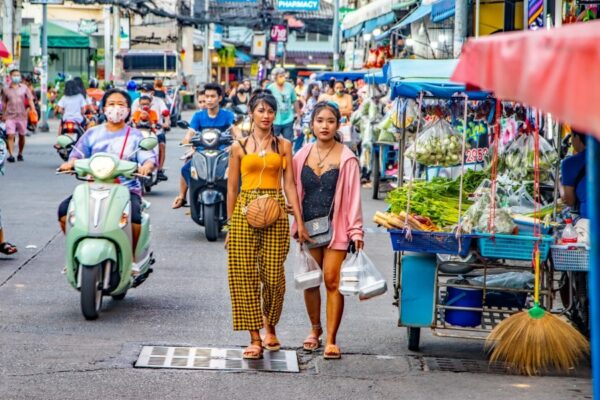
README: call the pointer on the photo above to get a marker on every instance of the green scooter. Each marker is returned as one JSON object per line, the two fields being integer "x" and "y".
{"x": 99, "y": 236}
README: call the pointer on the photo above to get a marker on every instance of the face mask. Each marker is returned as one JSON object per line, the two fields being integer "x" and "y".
{"x": 339, "y": 92}
{"x": 16, "y": 79}
{"x": 116, "y": 114}
{"x": 349, "y": 86}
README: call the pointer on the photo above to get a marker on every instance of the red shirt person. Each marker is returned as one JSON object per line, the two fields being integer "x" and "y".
{"x": 14, "y": 100}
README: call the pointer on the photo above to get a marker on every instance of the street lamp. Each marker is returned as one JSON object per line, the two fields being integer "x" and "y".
{"x": 377, "y": 32}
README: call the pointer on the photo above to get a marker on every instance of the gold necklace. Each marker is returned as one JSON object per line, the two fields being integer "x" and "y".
{"x": 322, "y": 160}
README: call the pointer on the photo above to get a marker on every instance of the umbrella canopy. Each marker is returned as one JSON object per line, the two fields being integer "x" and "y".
{"x": 554, "y": 70}
{"x": 4, "y": 53}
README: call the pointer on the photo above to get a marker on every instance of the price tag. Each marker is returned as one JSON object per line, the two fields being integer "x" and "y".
{"x": 476, "y": 155}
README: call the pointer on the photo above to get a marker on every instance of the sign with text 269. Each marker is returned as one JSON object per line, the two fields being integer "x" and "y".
{"x": 298, "y": 5}
{"x": 279, "y": 33}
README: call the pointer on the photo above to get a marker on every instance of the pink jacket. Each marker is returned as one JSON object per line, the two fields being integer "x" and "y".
{"x": 347, "y": 222}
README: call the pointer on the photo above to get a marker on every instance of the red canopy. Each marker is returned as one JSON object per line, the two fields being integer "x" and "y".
{"x": 4, "y": 53}
{"x": 557, "y": 70}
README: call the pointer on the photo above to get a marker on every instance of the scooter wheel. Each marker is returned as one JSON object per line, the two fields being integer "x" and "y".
{"x": 91, "y": 291}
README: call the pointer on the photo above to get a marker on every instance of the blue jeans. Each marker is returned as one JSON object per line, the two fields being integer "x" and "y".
{"x": 186, "y": 172}
{"x": 287, "y": 131}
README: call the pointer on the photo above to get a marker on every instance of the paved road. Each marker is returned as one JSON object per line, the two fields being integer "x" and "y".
{"x": 48, "y": 351}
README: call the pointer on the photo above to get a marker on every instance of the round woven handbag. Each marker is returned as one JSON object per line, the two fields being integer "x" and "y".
{"x": 262, "y": 212}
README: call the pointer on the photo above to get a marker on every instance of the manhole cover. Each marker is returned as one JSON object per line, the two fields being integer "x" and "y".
{"x": 215, "y": 358}
{"x": 464, "y": 365}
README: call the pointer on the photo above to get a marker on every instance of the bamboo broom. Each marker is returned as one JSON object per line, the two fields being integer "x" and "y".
{"x": 532, "y": 341}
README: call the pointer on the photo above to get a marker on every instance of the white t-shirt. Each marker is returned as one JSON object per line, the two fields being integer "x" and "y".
{"x": 72, "y": 106}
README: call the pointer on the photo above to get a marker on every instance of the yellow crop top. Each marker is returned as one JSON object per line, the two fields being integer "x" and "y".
{"x": 252, "y": 169}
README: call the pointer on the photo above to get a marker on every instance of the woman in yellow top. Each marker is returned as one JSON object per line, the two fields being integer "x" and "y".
{"x": 263, "y": 162}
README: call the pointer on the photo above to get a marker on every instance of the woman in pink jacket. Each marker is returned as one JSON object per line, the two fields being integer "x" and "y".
{"x": 328, "y": 181}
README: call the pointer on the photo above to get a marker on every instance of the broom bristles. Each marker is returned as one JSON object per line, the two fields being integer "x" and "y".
{"x": 533, "y": 345}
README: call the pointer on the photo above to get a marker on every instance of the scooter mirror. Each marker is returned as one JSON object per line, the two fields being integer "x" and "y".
{"x": 148, "y": 143}
{"x": 64, "y": 141}
{"x": 183, "y": 124}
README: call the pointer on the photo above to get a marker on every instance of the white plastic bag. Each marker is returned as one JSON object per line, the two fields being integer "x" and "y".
{"x": 371, "y": 283}
{"x": 349, "y": 275}
{"x": 307, "y": 273}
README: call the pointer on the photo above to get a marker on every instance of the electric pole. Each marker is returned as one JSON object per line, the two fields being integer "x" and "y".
{"x": 43, "y": 126}
{"x": 336, "y": 35}
{"x": 460, "y": 26}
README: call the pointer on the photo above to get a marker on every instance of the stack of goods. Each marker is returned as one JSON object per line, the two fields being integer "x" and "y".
{"x": 438, "y": 145}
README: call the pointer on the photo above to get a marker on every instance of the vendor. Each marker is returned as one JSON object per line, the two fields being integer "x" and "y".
{"x": 573, "y": 176}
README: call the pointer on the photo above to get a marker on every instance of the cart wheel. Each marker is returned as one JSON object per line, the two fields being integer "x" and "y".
{"x": 376, "y": 168}
{"x": 414, "y": 337}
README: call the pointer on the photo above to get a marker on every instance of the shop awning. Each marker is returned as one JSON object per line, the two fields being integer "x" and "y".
{"x": 442, "y": 10}
{"x": 341, "y": 75}
{"x": 385, "y": 19}
{"x": 410, "y": 78}
{"x": 58, "y": 37}
{"x": 355, "y": 30}
{"x": 373, "y": 11}
{"x": 418, "y": 14}
{"x": 242, "y": 57}
{"x": 552, "y": 70}
{"x": 376, "y": 77}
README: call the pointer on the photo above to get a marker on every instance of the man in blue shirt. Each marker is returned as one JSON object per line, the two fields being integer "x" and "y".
{"x": 287, "y": 105}
{"x": 573, "y": 176}
{"x": 211, "y": 117}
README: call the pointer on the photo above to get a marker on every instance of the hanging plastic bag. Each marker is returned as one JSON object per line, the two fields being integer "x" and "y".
{"x": 370, "y": 282}
{"x": 307, "y": 273}
{"x": 350, "y": 274}
{"x": 438, "y": 145}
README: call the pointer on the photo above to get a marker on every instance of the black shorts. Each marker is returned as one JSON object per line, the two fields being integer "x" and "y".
{"x": 136, "y": 208}
{"x": 162, "y": 138}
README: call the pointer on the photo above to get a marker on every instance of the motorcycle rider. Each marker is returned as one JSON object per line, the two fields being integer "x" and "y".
{"x": 211, "y": 117}
{"x": 145, "y": 113}
{"x": 116, "y": 137}
{"x": 160, "y": 107}
{"x": 72, "y": 105}
{"x": 15, "y": 112}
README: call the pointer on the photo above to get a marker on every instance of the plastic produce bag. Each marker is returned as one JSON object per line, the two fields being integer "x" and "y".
{"x": 517, "y": 160}
{"x": 370, "y": 281}
{"x": 350, "y": 274}
{"x": 307, "y": 273}
{"x": 507, "y": 280}
{"x": 438, "y": 145}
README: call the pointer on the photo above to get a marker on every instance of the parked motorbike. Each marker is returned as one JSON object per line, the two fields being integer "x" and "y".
{"x": 71, "y": 131}
{"x": 208, "y": 184}
{"x": 100, "y": 260}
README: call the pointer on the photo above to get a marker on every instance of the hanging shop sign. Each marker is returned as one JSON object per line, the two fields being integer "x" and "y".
{"x": 259, "y": 44}
{"x": 279, "y": 33}
{"x": 272, "y": 51}
{"x": 88, "y": 26}
{"x": 298, "y": 5}
{"x": 216, "y": 36}
{"x": 124, "y": 33}
{"x": 56, "y": 2}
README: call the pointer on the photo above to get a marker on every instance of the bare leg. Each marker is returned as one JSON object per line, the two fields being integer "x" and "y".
{"x": 21, "y": 144}
{"x": 63, "y": 224}
{"x": 10, "y": 144}
{"x": 255, "y": 348}
{"x": 1, "y": 235}
{"x": 162, "y": 148}
{"x": 135, "y": 230}
{"x": 312, "y": 299}
{"x": 332, "y": 264}
{"x": 180, "y": 199}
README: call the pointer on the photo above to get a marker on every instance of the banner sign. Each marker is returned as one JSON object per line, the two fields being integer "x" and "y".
{"x": 88, "y": 26}
{"x": 124, "y": 33}
{"x": 259, "y": 44}
{"x": 279, "y": 33}
{"x": 298, "y": 5}
{"x": 230, "y": 1}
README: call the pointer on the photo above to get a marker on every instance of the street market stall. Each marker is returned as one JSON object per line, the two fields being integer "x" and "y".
{"x": 474, "y": 236}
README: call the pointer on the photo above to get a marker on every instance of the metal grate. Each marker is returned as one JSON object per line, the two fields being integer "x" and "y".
{"x": 215, "y": 358}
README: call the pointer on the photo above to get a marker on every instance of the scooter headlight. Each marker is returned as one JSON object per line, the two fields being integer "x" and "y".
{"x": 102, "y": 166}
{"x": 193, "y": 173}
{"x": 125, "y": 215}
{"x": 210, "y": 137}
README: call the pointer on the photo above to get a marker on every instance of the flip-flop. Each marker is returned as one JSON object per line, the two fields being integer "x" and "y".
{"x": 273, "y": 344}
{"x": 178, "y": 202}
{"x": 7, "y": 248}
{"x": 332, "y": 352}
{"x": 253, "y": 352}
{"x": 312, "y": 342}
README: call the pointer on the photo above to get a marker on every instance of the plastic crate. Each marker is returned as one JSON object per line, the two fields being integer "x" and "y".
{"x": 430, "y": 242}
{"x": 574, "y": 257}
{"x": 512, "y": 247}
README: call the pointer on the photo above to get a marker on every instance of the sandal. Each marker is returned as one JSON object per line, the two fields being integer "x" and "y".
{"x": 271, "y": 345}
{"x": 312, "y": 342}
{"x": 332, "y": 352}
{"x": 253, "y": 352}
{"x": 178, "y": 202}
{"x": 7, "y": 248}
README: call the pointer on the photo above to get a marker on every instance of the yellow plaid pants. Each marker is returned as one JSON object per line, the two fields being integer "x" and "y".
{"x": 255, "y": 260}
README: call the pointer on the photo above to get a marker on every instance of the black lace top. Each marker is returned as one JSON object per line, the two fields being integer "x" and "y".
{"x": 319, "y": 192}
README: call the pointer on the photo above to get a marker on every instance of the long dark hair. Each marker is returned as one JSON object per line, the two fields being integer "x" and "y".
{"x": 265, "y": 96}
{"x": 80, "y": 85}
{"x": 71, "y": 88}
{"x": 310, "y": 89}
{"x": 331, "y": 106}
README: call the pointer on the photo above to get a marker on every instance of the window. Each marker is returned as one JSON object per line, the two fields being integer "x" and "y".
{"x": 312, "y": 37}
{"x": 152, "y": 62}
{"x": 323, "y": 38}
